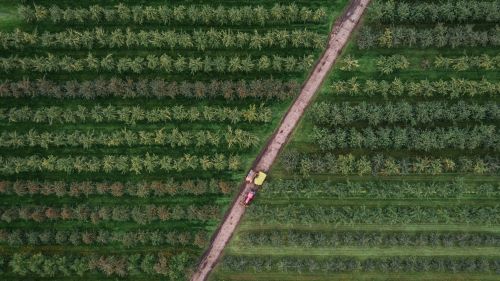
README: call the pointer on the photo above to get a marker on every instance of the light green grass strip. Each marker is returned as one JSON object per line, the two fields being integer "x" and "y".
{"x": 364, "y": 252}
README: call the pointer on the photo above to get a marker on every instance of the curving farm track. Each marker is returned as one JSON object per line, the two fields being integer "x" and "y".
{"x": 338, "y": 38}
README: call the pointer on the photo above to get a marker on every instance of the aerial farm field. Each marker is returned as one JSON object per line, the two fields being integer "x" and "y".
{"x": 393, "y": 174}
{"x": 127, "y": 126}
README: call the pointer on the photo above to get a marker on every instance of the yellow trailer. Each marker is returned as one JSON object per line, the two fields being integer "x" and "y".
{"x": 261, "y": 177}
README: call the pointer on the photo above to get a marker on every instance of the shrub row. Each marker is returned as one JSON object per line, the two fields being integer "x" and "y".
{"x": 200, "y": 40}
{"x": 307, "y": 239}
{"x": 440, "y": 36}
{"x": 153, "y": 63}
{"x": 348, "y": 164}
{"x": 140, "y": 164}
{"x": 424, "y": 12}
{"x": 403, "y": 138}
{"x": 464, "y": 63}
{"x": 41, "y": 265}
{"x": 180, "y": 14}
{"x": 402, "y": 264}
{"x": 346, "y": 113}
{"x": 390, "y": 214}
{"x": 84, "y": 213}
{"x": 116, "y": 189}
{"x": 230, "y": 138}
{"x": 102, "y": 237}
{"x": 145, "y": 88}
{"x": 456, "y": 188}
{"x": 133, "y": 114}
{"x": 454, "y": 88}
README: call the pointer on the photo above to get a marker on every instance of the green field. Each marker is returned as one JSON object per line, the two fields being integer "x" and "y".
{"x": 393, "y": 174}
{"x": 127, "y": 126}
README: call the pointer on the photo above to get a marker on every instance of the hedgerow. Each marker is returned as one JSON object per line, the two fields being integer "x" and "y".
{"x": 144, "y": 214}
{"x": 402, "y": 112}
{"x": 457, "y": 188}
{"x": 180, "y": 14}
{"x": 200, "y": 40}
{"x": 297, "y": 265}
{"x": 404, "y": 138}
{"x": 363, "y": 214}
{"x": 132, "y": 115}
{"x": 439, "y": 37}
{"x": 142, "y": 189}
{"x": 454, "y": 88}
{"x": 348, "y": 164}
{"x": 298, "y": 238}
{"x": 102, "y": 238}
{"x": 151, "y": 88}
{"x": 140, "y": 164}
{"x": 157, "y": 63}
{"x": 230, "y": 138}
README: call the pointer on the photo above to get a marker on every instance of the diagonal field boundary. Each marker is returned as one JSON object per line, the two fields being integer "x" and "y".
{"x": 339, "y": 36}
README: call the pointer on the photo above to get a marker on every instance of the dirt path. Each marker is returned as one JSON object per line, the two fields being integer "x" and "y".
{"x": 338, "y": 38}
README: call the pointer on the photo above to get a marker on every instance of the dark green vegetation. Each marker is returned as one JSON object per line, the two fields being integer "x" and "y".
{"x": 394, "y": 172}
{"x": 126, "y": 126}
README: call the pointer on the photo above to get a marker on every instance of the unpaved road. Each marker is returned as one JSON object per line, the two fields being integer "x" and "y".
{"x": 338, "y": 38}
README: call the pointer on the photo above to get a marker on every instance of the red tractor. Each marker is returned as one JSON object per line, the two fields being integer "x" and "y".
{"x": 248, "y": 199}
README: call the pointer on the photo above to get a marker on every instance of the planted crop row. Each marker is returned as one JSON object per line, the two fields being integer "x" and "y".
{"x": 156, "y": 88}
{"x": 295, "y": 238}
{"x": 299, "y": 265}
{"x": 200, "y": 40}
{"x": 380, "y": 189}
{"x": 84, "y": 213}
{"x": 42, "y": 265}
{"x": 402, "y": 138}
{"x": 180, "y": 14}
{"x": 132, "y": 115}
{"x": 343, "y": 114}
{"x": 425, "y": 12}
{"x": 128, "y": 239}
{"x": 229, "y": 138}
{"x": 454, "y": 88}
{"x": 440, "y": 36}
{"x": 390, "y": 214}
{"x": 141, "y": 164}
{"x": 163, "y": 63}
{"x": 116, "y": 189}
{"x": 464, "y": 63}
{"x": 347, "y": 164}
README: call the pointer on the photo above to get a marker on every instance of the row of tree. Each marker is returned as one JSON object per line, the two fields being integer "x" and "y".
{"x": 151, "y": 88}
{"x": 403, "y": 138}
{"x": 229, "y": 139}
{"x": 176, "y": 15}
{"x": 390, "y": 64}
{"x": 401, "y": 264}
{"x": 76, "y": 189}
{"x": 124, "y": 164}
{"x": 142, "y": 215}
{"x": 307, "y": 239}
{"x": 362, "y": 214}
{"x": 440, "y": 36}
{"x": 135, "y": 114}
{"x": 173, "y": 266}
{"x": 200, "y": 40}
{"x": 457, "y": 188}
{"x": 348, "y": 164}
{"x": 424, "y": 112}
{"x": 153, "y": 63}
{"x": 461, "y": 11}
{"x": 103, "y": 237}
{"x": 454, "y": 88}
{"x": 464, "y": 63}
